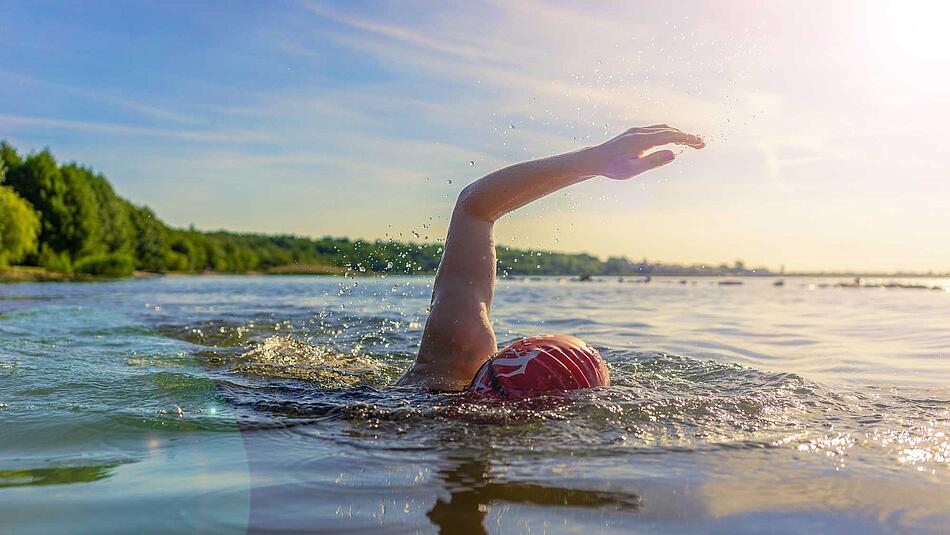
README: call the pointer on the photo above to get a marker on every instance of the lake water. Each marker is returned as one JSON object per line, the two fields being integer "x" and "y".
{"x": 233, "y": 404}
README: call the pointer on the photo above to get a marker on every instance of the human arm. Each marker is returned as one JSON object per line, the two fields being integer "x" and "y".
{"x": 458, "y": 335}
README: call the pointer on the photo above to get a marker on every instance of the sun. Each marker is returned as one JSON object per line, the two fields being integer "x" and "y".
{"x": 911, "y": 38}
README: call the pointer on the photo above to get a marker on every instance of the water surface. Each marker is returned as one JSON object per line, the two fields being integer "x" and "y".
{"x": 228, "y": 404}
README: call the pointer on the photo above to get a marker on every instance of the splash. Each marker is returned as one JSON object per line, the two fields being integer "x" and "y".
{"x": 286, "y": 357}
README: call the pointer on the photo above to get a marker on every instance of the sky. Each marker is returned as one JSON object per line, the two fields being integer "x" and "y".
{"x": 825, "y": 122}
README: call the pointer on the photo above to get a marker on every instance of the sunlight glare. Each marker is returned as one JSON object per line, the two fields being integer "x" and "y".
{"x": 911, "y": 39}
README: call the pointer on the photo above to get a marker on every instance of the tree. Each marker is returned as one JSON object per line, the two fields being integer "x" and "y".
{"x": 151, "y": 243}
{"x": 84, "y": 237}
{"x": 64, "y": 200}
{"x": 37, "y": 179}
{"x": 116, "y": 232}
{"x": 8, "y": 157}
{"x": 19, "y": 226}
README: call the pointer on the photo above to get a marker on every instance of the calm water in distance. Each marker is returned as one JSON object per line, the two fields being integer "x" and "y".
{"x": 234, "y": 404}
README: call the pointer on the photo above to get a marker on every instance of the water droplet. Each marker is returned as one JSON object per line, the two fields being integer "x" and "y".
{"x": 472, "y": 163}
{"x": 448, "y": 181}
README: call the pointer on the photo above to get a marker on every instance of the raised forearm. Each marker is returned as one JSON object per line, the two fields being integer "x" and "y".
{"x": 508, "y": 189}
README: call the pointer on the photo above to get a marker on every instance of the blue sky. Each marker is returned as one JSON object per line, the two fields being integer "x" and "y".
{"x": 366, "y": 119}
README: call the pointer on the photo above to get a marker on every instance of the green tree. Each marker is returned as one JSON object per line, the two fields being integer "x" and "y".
{"x": 64, "y": 200}
{"x": 38, "y": 180}
{"x": 116, "y": 233}
{"x": 84, "y": 236}
{"x": 8, "y": 156}
{"x": 19, "y": 226}
{"x": 184, "y": 254}
{"x": 106, "y": 265}
{"x": 151, "y": 240}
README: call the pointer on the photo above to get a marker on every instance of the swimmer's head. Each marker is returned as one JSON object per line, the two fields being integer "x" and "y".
{"x": 541, "y": 364}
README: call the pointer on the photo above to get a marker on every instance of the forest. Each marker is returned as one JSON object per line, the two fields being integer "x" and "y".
{"x": 67, "y": 218}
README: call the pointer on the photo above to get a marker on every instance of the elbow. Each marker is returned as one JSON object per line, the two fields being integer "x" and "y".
{"x": 472, "y": 204}
{"x": 466, "y": 200}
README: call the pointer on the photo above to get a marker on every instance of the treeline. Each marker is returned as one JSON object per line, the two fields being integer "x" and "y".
{"x": 68, "y": 219}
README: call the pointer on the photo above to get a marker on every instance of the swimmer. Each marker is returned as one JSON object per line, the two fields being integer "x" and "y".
{"x": 458, "y": 349}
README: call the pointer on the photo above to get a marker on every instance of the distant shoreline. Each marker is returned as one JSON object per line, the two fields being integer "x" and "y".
{"x": 38, "y": 274}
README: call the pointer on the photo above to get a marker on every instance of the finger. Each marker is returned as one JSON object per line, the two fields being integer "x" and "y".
{"x": 658, "y": 158}
{"x": 664, "y": 137}
{"x": 651, "y": 128}
{"x": 635, "y": 166}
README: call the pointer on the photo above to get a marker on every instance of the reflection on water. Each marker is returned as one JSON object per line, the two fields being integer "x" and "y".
{"x": 472, "y": 490}
{"x": 54, "y": 476}
{"x": 263, "y": 404}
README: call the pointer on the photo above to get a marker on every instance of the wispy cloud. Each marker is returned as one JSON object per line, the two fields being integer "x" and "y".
{"x": 645, "y": 78}
{"x": 440, "y": 44}
{"x": 139, "y": 107}
{"x": 231, "y": 136}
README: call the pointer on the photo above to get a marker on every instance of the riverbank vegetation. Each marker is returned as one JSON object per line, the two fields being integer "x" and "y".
{"x": 67, "y": 219}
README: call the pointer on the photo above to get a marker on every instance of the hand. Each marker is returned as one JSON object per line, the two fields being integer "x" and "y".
{"x": 624, "y": 157}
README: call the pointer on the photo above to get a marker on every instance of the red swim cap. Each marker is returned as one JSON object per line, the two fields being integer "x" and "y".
{"x": 541, "y": 364}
